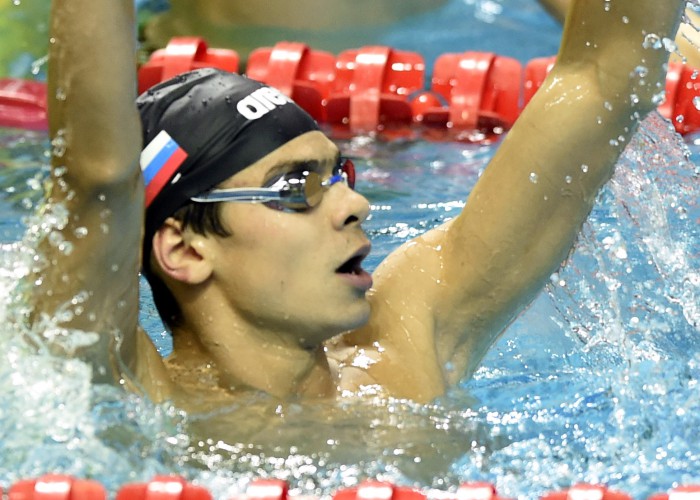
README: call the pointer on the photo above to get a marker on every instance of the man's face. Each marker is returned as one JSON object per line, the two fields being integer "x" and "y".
{"x": 296, "y": 274}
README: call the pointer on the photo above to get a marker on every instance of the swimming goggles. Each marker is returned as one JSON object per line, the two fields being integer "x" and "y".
{"x": 295, "y": 191}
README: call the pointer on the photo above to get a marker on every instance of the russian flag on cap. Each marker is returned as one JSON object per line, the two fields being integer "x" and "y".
{"x": 159, "y": 161}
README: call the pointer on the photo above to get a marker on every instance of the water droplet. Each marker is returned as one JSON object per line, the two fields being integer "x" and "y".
{"x": 659, "y": 97}
{"x": 60, "y": 94}
{"x": 652, "y": 41}
{"x": 38, "y": 64}
{"x": 568, "y": 179}
{"x": 670, "y": 45}
{"x": 625, "y": 19}
{"x": 81, "y": 232}
{"x": 584, "y": 168}
{"x": 58, "y": 144}
{"x": 533, "y": 177}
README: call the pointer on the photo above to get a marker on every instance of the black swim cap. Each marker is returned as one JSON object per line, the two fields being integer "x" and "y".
{"x": 202, "y": 127}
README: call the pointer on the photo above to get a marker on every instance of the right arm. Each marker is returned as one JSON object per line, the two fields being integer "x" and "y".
{"x": 95, "y": 129}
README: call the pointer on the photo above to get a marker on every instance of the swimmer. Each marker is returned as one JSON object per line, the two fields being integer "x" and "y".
{"x": 332, "y": 25}
{"x": 252, "y": 234}
{"x": 687, "y": 38}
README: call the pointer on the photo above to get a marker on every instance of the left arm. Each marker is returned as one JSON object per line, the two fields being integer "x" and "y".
{"x": 454, "y": 290}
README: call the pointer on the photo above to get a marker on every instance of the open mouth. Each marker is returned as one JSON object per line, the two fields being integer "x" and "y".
{"x": 354, "y": 264}
{"x": 351, "y": 266}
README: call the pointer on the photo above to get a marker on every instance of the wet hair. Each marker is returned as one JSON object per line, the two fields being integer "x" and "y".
{"x": 199, "y": 129}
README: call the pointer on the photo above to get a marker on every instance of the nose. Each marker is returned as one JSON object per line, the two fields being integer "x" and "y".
{"x": 348, "y": 206}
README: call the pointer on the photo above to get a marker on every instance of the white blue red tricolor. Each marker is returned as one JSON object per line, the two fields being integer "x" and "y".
{"x": 160, "y": 159}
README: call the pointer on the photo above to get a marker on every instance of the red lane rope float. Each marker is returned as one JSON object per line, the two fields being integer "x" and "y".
{"x": 587, "y": 492}
{"x": 162, "y": 487}
{"x": 297, "y": 71}
{"x": 23, "y": 104}
{"x": 682, "y": 105}
{"x": 690, "y": 492}
{"x": 183, "y": 54}
{"x": 481, "y": 91}
{"x": 372, "y": 86}
{"x": 375, "y": 490}
{"x": 57, "y": 487}
{"x": 473, "y": 96}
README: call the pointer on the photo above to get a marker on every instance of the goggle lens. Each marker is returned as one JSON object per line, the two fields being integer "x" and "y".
{"x": 307, "y": 192}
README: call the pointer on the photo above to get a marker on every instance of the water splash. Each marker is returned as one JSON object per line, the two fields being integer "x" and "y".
{"x": 611, "y": 397}
{"x": 616, "y": 400}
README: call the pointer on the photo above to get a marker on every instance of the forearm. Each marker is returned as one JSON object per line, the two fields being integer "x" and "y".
{"x": 92, "y": 90}
{"x": 624, "y": 41}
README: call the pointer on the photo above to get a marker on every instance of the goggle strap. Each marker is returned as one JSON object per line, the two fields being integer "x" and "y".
{"x": 243, "y": 195}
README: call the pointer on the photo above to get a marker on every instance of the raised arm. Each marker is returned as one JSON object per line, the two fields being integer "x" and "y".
{"x": 463, "y": 283}
{"x": 95, "y": 131}
{"x": 525, "y": 212}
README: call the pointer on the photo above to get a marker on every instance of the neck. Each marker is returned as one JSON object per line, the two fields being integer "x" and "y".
{"x": 237, "y": 357}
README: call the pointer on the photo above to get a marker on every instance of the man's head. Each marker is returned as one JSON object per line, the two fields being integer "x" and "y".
{"x": 281, "y": 265}
{"x": 199, "y": 129}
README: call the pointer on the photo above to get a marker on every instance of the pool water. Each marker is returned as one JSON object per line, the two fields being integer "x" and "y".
{"x": 597, "y": 381}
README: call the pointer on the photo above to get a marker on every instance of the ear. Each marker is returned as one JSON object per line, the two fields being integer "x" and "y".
{"x": 179, "y": 253}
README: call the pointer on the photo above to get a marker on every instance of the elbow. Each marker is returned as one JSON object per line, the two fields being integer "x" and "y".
{"x": 98, "y": 177}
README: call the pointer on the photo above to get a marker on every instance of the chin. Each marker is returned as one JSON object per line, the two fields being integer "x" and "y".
{"x": 357, "y": 316}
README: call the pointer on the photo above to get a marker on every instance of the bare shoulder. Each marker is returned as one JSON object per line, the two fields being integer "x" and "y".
{"x": 397, "y": 348}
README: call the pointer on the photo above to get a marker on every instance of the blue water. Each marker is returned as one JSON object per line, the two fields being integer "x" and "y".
{"x": 596, "y": 381}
